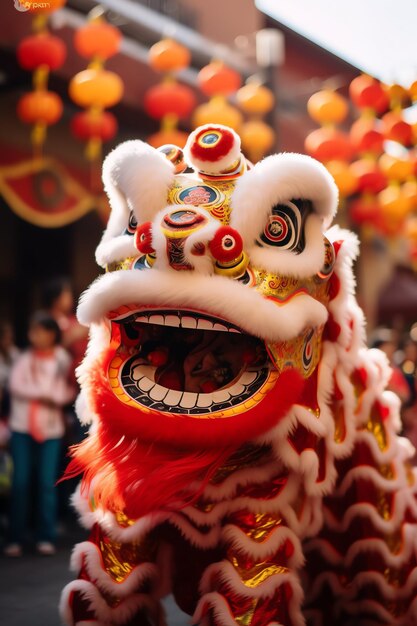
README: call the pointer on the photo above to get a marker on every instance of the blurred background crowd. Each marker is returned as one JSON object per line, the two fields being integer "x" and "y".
{"x": 77, "y": 78}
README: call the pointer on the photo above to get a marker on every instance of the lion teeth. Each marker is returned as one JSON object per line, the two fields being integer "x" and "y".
{"x": 145, "y": 384}
{"x": 204, "y": 324}
{"x": 247, "y": 378}
{"x": 188, "y": 400}
{"x": 188, "y": 322}
{"x": 158, "y": 393}
{"x": 173, "y": 397}
{"x": 222, "y": 395}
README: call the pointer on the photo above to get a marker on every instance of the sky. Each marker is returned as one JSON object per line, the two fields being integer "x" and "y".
{"x": 377, "y": 36}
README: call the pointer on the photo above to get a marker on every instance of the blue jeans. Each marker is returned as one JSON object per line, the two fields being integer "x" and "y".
{"x": 42, "y": 460}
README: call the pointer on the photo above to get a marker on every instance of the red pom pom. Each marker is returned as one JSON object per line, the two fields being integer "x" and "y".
{"x": 226, "y": 245}
{"x": 212, "y": 143}
{"x": 143, "y": 238}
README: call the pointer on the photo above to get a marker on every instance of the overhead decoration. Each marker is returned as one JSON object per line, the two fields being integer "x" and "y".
{"x": 169, "y": 101}
{"x": 218, "y": 81}
{"x": 41, "y": 53}
{"x": 374, "y": 165}
{"x": 256, "y": 100}
{"x": 95, "y": 88}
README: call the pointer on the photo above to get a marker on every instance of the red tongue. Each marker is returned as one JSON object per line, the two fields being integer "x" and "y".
{"x": 209, "y": 386}
{"x": 171, "y": 378}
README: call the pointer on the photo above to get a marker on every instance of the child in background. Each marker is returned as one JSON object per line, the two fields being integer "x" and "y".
{"x": 39, "y": 389}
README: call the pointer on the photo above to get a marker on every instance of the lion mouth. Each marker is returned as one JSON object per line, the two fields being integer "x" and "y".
{"x": 186, "y": 362}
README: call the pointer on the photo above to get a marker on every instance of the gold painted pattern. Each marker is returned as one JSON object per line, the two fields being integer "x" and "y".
{"x": 246, "y": 456}
{"x": 254, "y": 576}
{"x": 265, "y": 524}
{"x": 245, "y": 619}
{"x": 119, "y": 559}
{"x": 375, "y": 426}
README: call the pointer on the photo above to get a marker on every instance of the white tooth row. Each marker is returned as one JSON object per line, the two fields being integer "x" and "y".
{"x": 185, "y": 321}
{"x": 187, "y": 399}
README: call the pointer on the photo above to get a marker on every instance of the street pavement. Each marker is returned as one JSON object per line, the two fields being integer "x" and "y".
{"x": 30, "y": 586}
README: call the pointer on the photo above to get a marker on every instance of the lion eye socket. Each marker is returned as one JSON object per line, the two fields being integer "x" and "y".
{"x": 132, "y": 226}
{"x": 284, "y": 228}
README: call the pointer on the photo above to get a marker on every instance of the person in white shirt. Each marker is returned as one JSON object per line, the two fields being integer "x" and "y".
{"x": 39, "y": 389}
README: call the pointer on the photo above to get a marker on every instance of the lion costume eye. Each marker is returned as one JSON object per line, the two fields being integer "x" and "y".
{"x": 133, "y": 224}
{"x": 284, "y": 228}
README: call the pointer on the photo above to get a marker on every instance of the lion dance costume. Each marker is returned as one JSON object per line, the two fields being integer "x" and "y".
{"x": 243, "y": 453}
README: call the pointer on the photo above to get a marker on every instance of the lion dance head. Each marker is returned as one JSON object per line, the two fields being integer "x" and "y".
{"x": 207, "y": 326}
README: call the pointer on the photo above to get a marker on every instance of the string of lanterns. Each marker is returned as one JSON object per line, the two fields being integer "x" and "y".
{"x": 169, "y": 101}
{"x": 374, "y": 164}
{"x": 41, "y": 53}
{"x": 95, "y": 88}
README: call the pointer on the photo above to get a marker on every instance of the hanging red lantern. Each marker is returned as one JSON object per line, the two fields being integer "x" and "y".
{"x": 218, "y": 79}
{"x": 345, "y": 179}
{"x": 41, "y": 49}
{"x": 369, "y": 176}
{"x": 97, "y": 39}
{"x": 396, "y": 128}
{"x": 40, "y": 107}
{"x": 364, "y": 210}
{"x": 365, "y": 137}
{"x": 168, "y": 55}
{"x": 327, "y": 144}
{"x": 169, "y": 98}
{"x": 368, "y": 93}
{"x": 93, "y": 124}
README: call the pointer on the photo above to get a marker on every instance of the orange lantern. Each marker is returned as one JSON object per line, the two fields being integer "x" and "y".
{"x": 409, "y": 190}
{"x": 399, "y": 96}
{"x": 257, "y": 139}
{"x": 327, "y": 107}
{"x": 216, "y": 78}
{"x": 255, "y": 99}
{"x": 168, "y": 136}
{"x": 369, "y": 176}
{"x": 368, "y": 93}
{"x": 97, "y": 39}
{"x": 344, "y": 177}
{"x": 410, "y": 229}
{"x": 217, "y": 111}
{"x": 394, "y": 208}
{"x": 395, "y": 168}
{"x": 168, "y": 56}
{"x": 327, "y": 144}
{"x": 96, "y": 87}
{"x": 169, "y": 98}
{"x": 40, "y": 107}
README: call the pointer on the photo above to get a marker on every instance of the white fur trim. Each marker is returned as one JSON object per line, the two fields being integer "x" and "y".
{"x": 90, "y": 554}
{"x": 241, "y": 543}
{"x": 115, "y": 249}
{"x": 136, "y": 178}
{"x": 212, "y": 167}
{"x": 288, "y": 263}
{"x": 104, "y": 613}
{"x": 278, "y": 179}
{"x": 223, "y": 614}
{"x": 215, "y": 295}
